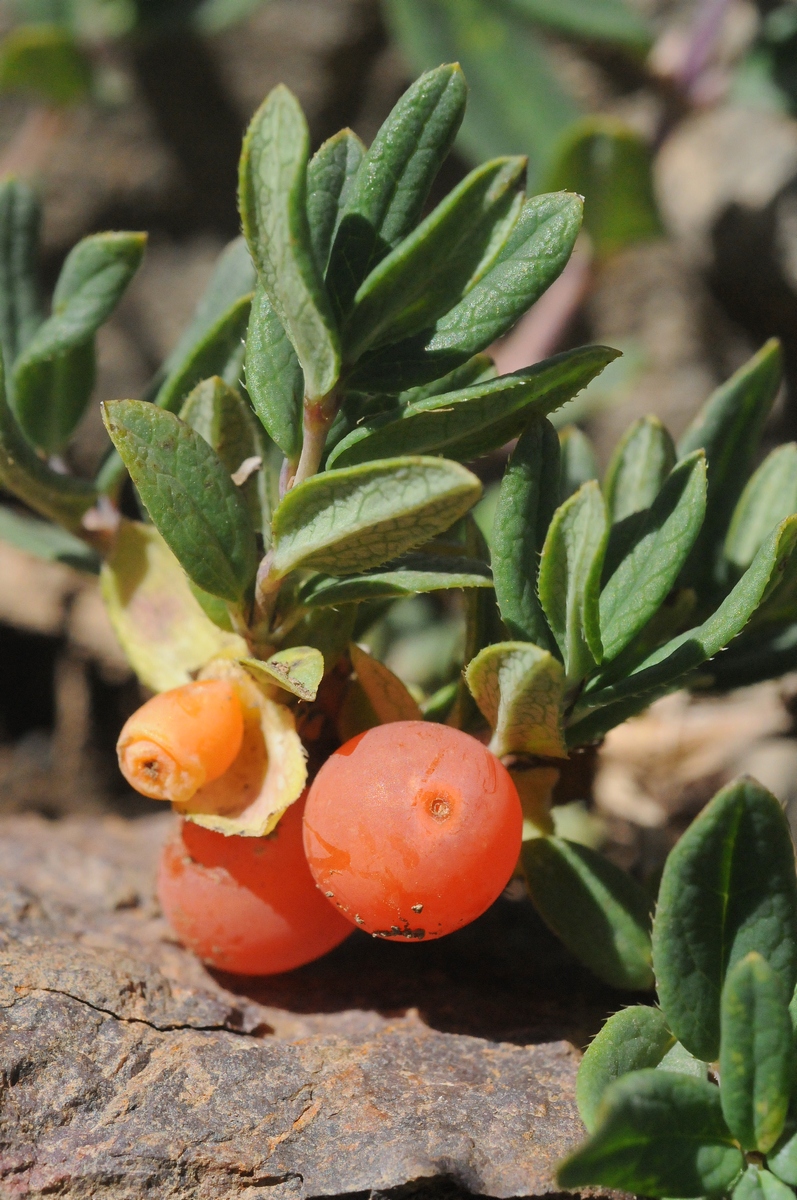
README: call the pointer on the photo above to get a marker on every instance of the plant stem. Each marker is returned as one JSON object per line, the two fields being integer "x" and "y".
{"x": 318, "y": 416}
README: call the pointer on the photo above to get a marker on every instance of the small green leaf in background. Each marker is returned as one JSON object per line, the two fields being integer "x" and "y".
{"x": 756, "y": 1053}
{"x": 659, "y": 1134}
{"x": 218, "y": 413}
{"x": 219, "y": 351}
{"x": 516, "y": 104}
{"x": 272, "y": 197}
{"x": 330, "y": 176}
{"x": 474, "y": 420}
{"x": 527, "y": 500}
{"x": 387, "y": 695}
{"x": 430, "y": 270}
{"x": 532, "y": 257}
{"x": 352, "y": 520}
{"x": 570, "y": 571}
{"x": 770, "y": 495}
{"x": 643, "y": 459}
{"x": 577, "y": 461}
{"x": 728, "y": 428}
{"x": 54, "y": 376}
{"x": 631, "y": 1039}
{"x": 519, "y": 689}
{"x": 600, "y": 913}
{"x": 759, "y": 1184}
{"x": 232, "y": 280}
{"x": 413, "y": 574}
{"x": 666, "y": 533}
{"x": 47, "y": 541}
{"x": 728, "y": 888}
{"x": 298, "y": 670}
{"x": 591, "y": 21}
{"x": 44, "y": 61}
{"x": 274, "y": 379}
{"x": 610, "y": 165}
{"x": 61, "y": 498}
{"x": 189, "y": 495}
{"x": 388, "y": 193}
{"x": 20, "y": 310}
{"x": 677, "y": 658}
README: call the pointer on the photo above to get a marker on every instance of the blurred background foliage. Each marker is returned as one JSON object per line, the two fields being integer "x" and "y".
{"x": 676, "y": 119}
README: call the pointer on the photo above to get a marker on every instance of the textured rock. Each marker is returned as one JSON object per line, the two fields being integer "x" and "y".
{"x": 126, "y": 1069}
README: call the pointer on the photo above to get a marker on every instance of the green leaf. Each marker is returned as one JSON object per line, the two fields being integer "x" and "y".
{"x": 274, "y": 379}
{"x": 46, "y": 541}
{"x": 54, "y": 376}
{"x": 782, "y": 1159}
{"x": 570, "y": 571}
{"x": 189, "y": 495}
{"x": 577, "y": 462}
{"x": 644, "y": 457}
{"x": 661, "y": 670}
{"x": 465, "y": 424}
{"x": 526, "y": 503}
{"x": 219, "y": 351}
{"x": 478, "y": 369}
{"x": 660, "y": 1134}
{"x": 352, "y": 520}
{"x": 386, "y": 693}
{"x": 520, "y": 690}
{"x": 389, "y": 191}
{"x": 328, "y": 629}
{"x": 330, "y": 176}
{"x": 20, "y": 312}
{"x": 517, "y": 105}
{"x": 533, "y": 256}
{"x": 728, "y": 888}
{"x": 298, "y": 670}
{"x": 61, "y": 498}
{"x": 757, "y": 655}
{"x": 758, "y": 1184}
{"x": 601, "y": 914}
{"x": 679, "y": 1059}
{"x": 435, "y": 265}
{"x": 45, "y": 61}
{"x": 728, "y": 428}
{"x": 606, "y": 20}
{"x": 610, "y": 165}
{"x": 632, "y": 1039}
{"x": 638, "y": 587}
{"x": 756, "y": 1053}
{"x": 770, "y": 495}
{"x": 233, "y": 279}
{"x": 413, "y": 574}
{"x": 225, "y": 421}
{"x": 272, "y": 197}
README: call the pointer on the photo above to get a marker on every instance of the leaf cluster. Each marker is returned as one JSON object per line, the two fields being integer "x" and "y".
{"x": 698, "y": 1096}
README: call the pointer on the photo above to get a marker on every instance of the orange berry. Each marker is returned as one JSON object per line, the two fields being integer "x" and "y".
{"x": 245, "y": 904}
{"x": 182, "y": 739}
{"x": 412, "y": 829}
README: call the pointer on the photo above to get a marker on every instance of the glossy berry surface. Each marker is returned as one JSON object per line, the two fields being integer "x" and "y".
{"x": 247, "y": 905}
{"x": 412, "y": 829}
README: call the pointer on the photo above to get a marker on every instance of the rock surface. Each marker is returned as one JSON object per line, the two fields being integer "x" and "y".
{"x": 126, "y": 1069}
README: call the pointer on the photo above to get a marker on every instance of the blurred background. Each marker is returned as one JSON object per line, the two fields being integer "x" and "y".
{"x": 676, "y": 119}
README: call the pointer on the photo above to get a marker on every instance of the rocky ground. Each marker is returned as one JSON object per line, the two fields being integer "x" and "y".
{"x": 129, "y": 1070}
